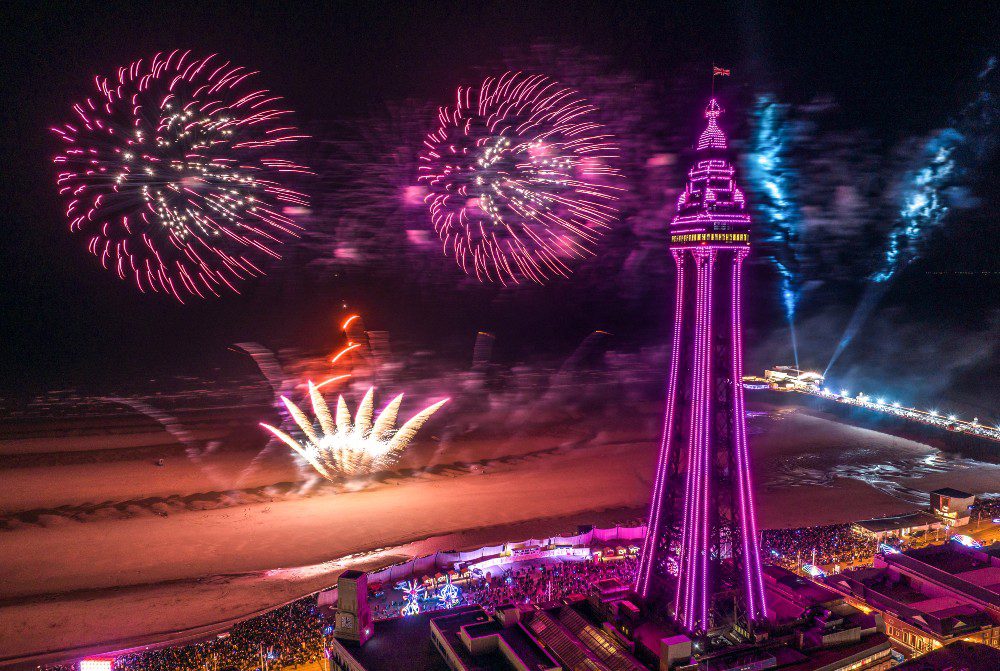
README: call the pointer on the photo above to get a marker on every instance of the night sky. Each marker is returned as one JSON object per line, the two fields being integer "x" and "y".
{"x": 890, "y": 74}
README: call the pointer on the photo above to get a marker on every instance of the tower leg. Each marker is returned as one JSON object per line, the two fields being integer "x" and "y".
{"x": 694, "y": 581}
{"x": 653, "y": 525}
{"x": 753, "y": 580}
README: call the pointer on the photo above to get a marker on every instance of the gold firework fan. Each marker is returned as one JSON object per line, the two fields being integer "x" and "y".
{"x": 337, "y": 447}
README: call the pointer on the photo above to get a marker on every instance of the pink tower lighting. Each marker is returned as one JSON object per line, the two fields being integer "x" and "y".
{"x": 701, "y": 545}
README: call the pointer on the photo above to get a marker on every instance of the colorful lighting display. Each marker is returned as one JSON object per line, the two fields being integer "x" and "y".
{"x": 96, "y": 664}
{"x": 710, "y": 237}
{"x": 712, "y": 137}
{"x": 413, "y": 592}
{"x": 709, "y": 240}
{"x": 449, "y": 594}
{"x": 930, "y": 417}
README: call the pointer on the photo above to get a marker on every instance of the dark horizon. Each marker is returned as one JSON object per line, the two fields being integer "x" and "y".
{"x": 891, "y": 74}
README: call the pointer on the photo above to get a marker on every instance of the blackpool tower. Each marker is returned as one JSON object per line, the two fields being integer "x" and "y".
{"x": 701, "y": 562}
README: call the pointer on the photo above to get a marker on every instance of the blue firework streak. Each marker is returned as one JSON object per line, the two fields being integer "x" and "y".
{"x": 771, "y": 180}
{"x": 923, "y": 208}
{"x": 924, "y": 204}
{"x": 927, "y": 199}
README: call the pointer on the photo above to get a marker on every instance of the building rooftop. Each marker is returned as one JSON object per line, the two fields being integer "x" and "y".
{"x": 882, "y": 524}
{"x": 467, "y": 634}
{"x": 952, "y": 493}
{"x": 945, "y": 590}
{"x": 408, "y": 643}
{"x": 802, "y": 591}
{"x": 595, "y": 638}
{"x": 840, "y": 656}
{"x": 970, "y": 572}
{"x": 401, "y": 643}
{"x": 352, "y": 574}
{"x": 960, "y": 655}
{"x": 741, "y": 659}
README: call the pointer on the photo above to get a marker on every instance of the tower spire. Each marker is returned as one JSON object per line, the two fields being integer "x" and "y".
{"x": 713, "y": 137}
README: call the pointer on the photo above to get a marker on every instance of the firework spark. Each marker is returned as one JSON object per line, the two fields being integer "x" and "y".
{"x": 948, "y": 156}
{"x": 170, "y": 171}
{"x": 773, "y": 179}
{"x": 519, "y": 178}
{"x": 338, "y": 448}
{"x": 924, "y": 205}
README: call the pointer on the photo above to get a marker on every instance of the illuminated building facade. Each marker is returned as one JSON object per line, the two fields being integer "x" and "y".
{"x": 353, "y": 619}
{"x": 930, "y": 597}
{"x": 700, "y": 560}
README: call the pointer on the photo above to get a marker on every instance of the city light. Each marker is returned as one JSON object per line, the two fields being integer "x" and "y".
{"x": 788, "y": 379}
{"x": 96, "y": 664}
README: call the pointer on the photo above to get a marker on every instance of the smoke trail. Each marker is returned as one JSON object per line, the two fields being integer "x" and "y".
{"x": 771, "y": 179}
{"x": 929, "y": 195}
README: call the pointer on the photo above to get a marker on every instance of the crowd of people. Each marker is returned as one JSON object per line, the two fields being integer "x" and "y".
{"x": 986, "y": 508}
{"x": 290, "y": 635}
{"x": 532, "y": 583}
{"x": 296, "y": 633}
{"x": 833, "y": 544}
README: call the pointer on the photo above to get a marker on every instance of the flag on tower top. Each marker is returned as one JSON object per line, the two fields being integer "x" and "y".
{"x": 720, "y": 72}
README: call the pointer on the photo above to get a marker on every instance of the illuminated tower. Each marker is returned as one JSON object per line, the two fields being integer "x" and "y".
{"x": 700, "y": 560}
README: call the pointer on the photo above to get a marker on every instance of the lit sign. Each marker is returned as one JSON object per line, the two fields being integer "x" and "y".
{"x": 711, "y": 237}
{"x": 96, "y": 664}
{"x": 814, "y": 571}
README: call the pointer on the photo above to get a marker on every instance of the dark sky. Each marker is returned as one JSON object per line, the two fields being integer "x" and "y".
{"x": 895, "y": 69}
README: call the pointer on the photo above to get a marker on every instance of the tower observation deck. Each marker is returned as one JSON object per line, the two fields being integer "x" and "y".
{"x": 701, "y": 561}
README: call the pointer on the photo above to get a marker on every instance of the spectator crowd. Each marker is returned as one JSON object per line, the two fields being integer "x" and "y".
{"x": 283, "y": 637}
{"x": 295, "y": 633}
{"x": 532, "y": 583}
{"x": 833, "y": 543}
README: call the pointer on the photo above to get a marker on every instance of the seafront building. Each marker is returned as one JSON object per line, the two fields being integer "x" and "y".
{"x": 932, "y": 596}
{"x": 812, "y": 629}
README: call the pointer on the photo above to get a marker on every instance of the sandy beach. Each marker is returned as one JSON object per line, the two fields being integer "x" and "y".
{"x": 162, "y": 550}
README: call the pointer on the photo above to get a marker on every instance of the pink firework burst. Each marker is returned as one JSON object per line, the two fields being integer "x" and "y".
{"x": 520, "y": 178}
{"x": 171, "y": 173}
